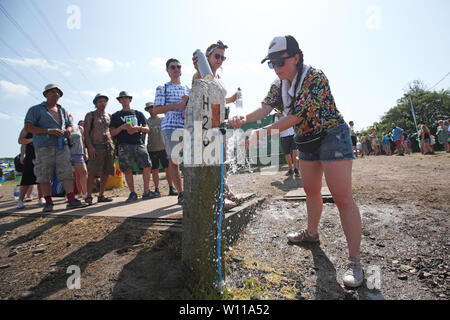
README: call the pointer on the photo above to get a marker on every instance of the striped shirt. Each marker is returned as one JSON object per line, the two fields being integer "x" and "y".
{"x": 169, "y": 94}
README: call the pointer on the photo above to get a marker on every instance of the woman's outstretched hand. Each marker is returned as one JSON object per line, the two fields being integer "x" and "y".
{"x": 237, "y": 121}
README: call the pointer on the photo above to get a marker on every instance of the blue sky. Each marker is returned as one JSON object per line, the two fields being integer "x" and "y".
{"x": 369, "y": 50}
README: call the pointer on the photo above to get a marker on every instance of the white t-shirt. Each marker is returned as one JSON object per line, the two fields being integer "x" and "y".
{"x": 287, "y": 132}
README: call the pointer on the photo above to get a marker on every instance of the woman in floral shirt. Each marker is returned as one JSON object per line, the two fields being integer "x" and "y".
{"x": 306, "y": 94}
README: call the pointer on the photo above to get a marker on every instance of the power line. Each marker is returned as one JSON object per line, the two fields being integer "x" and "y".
{"x": 58, "y": 39}
{"x": 440, "y": 80}
{"x": 18, "y": 54}
{"x": 20, "y": 76}
{"x": 20, "y": 29}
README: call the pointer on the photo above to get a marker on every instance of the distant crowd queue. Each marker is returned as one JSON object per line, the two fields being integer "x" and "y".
{"x": 398, "y": 141}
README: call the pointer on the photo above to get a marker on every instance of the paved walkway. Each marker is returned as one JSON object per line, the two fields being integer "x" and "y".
{"x": 165, "y": 211}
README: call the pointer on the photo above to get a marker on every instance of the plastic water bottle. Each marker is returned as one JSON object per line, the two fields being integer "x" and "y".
{"x": 203, "y": 65}
{"x": 239, "y": 102}
{"x": 16, "y": 192}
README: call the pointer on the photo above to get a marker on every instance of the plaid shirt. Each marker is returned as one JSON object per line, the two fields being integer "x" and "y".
{"x": 173, "y": 92}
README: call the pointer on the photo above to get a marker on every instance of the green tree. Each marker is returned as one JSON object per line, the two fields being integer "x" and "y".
{"x": 429, "y": 107}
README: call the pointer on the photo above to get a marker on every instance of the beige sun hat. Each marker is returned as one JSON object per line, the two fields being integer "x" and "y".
{"x": 148, "y": 105}
{"x": 50, "y": 87}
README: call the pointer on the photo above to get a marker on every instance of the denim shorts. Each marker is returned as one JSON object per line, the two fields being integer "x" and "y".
{"x": 78, "y": 159}
{"x": 173, "y": 148}
{"x": 336, "y": 145}
{"x": 130, "y": 153}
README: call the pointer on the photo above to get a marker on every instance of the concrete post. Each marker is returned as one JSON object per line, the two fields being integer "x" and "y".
{"x": 202, "y": 145}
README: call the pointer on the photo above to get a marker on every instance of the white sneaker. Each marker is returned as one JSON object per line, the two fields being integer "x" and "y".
{"x": 20, "y": 204}
{"x": 41, "y": 201}
{"x": 354, "y": 275}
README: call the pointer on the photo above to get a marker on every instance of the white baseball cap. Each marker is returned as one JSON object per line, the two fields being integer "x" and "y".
{"x": 280, "y": 45}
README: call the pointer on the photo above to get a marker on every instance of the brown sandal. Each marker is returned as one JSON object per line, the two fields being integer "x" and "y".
{"x": 302, "y": 237}
{"x": 104, "y": 199}
{"x": 88, "y": 200}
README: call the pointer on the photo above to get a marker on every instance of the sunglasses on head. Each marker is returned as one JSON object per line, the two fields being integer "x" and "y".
{"x": 278, "y": 62}
{"x": 218, "y": 56}
{"x": 175, "y": 67}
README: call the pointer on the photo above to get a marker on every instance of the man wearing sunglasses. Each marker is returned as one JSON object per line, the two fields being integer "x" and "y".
{"x": 171, "y": 99}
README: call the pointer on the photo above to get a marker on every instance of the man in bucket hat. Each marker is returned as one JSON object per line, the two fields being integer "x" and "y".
{"x": 50, "y": 125}
{"x": 97, "y": 137}
{"x": 128, "y": 125}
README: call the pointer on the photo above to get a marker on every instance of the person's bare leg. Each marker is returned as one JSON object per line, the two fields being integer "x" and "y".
{"x": 168, "y": 177}
{"x": 82, "y": 175}
{"x": 40, "y": 193}
{"x": 175, "y": 174}
{"x": 295, "y": 155}
{"x": 311, "y": 173}
{"x": 90, "y": 185}
{"x": 23, "y": 192}
{"x": 68, "y": 185}
{"x": 146, "y": 176}
{"x": 155, "y": 178}
{"x": 338, "y": 175}
{"x": 103, "y": 182}
{"x": 288, "y": 160}
{"x": 129, "y": 179}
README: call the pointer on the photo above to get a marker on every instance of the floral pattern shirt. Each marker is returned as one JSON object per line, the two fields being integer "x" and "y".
{"x": 315, "y": 93}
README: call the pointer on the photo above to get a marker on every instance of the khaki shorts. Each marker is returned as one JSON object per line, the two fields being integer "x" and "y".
{"x": 50, "y": 160}
{"x": 103, "y": 163}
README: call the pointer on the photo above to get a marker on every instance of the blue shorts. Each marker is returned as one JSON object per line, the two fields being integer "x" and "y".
{"x": 336, "y": 145}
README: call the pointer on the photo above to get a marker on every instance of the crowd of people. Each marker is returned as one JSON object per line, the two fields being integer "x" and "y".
{"x": 399, "y": 142}
{"x": 315, "y": 139}
{"x": 52, "y": 144}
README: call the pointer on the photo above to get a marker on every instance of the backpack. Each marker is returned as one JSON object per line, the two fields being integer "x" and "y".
{"x": 18, "y": 166}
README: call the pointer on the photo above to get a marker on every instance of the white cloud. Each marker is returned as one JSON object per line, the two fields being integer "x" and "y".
{"x": 374, "y": 18}
{"x": 28, "y": 62}
{"x": 9, "y": 88}
{"x": 145, "y": 94}
{"x": 125, "y": 64}
{"x": 110, "y": 93}
{"x": 244, "y": 67}
{"x": 158, "y": 63}
{"x": 4, "y": 116}
{"x": 12, "y": 117}
{"x": 102, "y": 64}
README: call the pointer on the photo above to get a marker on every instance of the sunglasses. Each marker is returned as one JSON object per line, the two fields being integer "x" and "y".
{"x": 278, "y": 62}
{"x": 175, "y": 67}
{"x": 218, "y": 56}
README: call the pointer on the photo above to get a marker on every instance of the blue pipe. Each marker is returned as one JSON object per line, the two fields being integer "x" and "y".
{"x": 219, "y": 227}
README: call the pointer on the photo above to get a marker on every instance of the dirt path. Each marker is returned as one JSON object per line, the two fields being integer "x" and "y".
{"x": 404, "y": 203}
